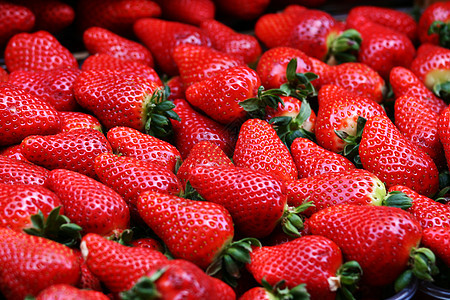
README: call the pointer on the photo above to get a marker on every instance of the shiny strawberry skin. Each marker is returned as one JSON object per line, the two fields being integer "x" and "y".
{"x": 30, "y": 264}
{"x": 37, "y": 51}
{"x": 14, "y": 19}
{"x": 65, "y": 291}
{"x": 379, "y": 238}
{"x": 385, "y": 152}
{"x": 89, "y": 203}
{"x": 259, "y": 148}
{"x": 256, "y": 293}
{"x": 87, "y": 278}
{"x": 191, "y": 11}
{"x": 77, "y": 120}
{"x": 13, "y": 171}
{"x": 439, "y": 11}
{"x": 13, "y": 151}
{"x": 437, "y": 239}
{"x": 444, "y": 132}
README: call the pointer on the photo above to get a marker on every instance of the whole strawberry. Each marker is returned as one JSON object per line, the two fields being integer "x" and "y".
{"x": 14, "y": 19}
{"x": 433, "y": 24}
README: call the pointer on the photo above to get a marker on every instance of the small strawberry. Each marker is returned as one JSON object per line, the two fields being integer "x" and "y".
{"x": 14, "y": 19}
{"x": 385, "y": 152}
{"x": 65, "y": 291}
{"x": 438, "y": 240}
{"x": 191, "y": 11}
{"x": 176, "y": 87}
{"x": 434, "y": 24}
{"x": 73, "y": 150}
{"x": 89, "y": 203}
{"x": 13, "y": 171}
{"x": 37, "y": 51}
{"x": 77, "y": 120}
{"x": 29, "y": 264}
{"x": 245, "y": 10}
{"x": 102, "y": 40}
{"x": 148, "y": 243}
{"x": 268, "y": 292}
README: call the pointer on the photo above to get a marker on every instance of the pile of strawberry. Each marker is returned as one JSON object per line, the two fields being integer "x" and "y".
{"x": 185, "y": 160}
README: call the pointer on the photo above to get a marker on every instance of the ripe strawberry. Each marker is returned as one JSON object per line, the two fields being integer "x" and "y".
{"x": 259, "y": 148}
{"x": 4, "y": 76}
{"x": 297, "y": 262}
{"x": 13, "y": 20}
{"x": 196, "y": 63}
{"x": 191, "y": 11}
{"x": 13, "y": 151}
{"x": 130, "y": 142}
{"x": 74, "y": 150}
{"x": 385, "y": 152}
{"x": 438, "y": 240}
{"x": 87, "y": 278}
{"x": 102, "y": 40}
{"x": 357, "y": 229}
{"x": 161, "y": 37}
{"x": 195, "y": 127}
{"x": 37, "y": 51}
{"x": 116, "y": 265}
{"x": 78, "y": 120}
{"x": 225, "y": 39}
{"x": 267, "y": 292}
{"x": 24, "y": 114}
{"x": 438, "y": 34}
{"x": 219, "y": 96}
{"x": 54, "y": 86}
{"x": 148, "y": 243}
{"x": 176, "y": 87}
{"x": 245, "y": 10}
{"x": 428, "y": 212}
{"x": 444, "y": 131}
{"x": 102, "y": 61}
{"x": 130, "y": 177}
{"x": 65, "y": 291}
{"x": 13, "y": 171}
{"x": 29, "y": 264}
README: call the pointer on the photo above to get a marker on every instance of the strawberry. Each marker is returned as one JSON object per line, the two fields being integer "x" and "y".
{"x": 37, "y": 51}
{"x": 161, "y": 37}
{"x": 438, "y": 240}
{"x": 54, "y": 86}
{"x": 13, "y": 171}
{"x": 102, "y": 40}
{"x": 191, "y": 12}
{"x": 117, "y": 16}
{"x": 259, "y": 148}
{"x": 65, "y": 291}
{"x": 196, "y": 63}
{"x": 77, "y": 120}
{"x": 89, "y": 203}
{"x": 223, "y": 38}
{"x": 129, "y": 176}
{"x": 268, "y": 292}
{"x": 117, "y": 266}
{"x": 102, "y": 61}
{"x": 203, "y": 153}
{"x": 311, "y": 159}
{"x": 4, "y": 76}
{"x": 443, "y": 128}
{"x": 437, "y": 13}
{"x": 14, "y": 19}
{"x": 379, "y": 238}
{"x": 427, "y": 211}
{"x": 148, "y": 243}
{"x": 296, "y": 262}
{"x": 29, "y": 264}
{"x": 74, "y": 150}
{"x": 24, "y": 114}
{"x": 125, "y": 99}
{"x": 13, "y": 151}
{"x": 245, "y": 10}
{"x": 385, "y": 152}
{"x": 176, "y": 87}
{"x": 87, "y": 278}
{"x": 195, "y": 127}
{"x": 219, "y": 96}
{"x": 130, "y": 142}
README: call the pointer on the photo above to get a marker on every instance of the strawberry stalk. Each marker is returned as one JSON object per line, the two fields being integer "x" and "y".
{"x": 344, "y": 48}
{"x": 55, "y": 227}
{"x": 397, "y": 199}
{"x": 442, "y": 29}
{"x": 256, "y": 107}
{"x": 291, "y": 222}
{"x": 298, "y": 85}
{"x": 298, "y": 292}
{"x": 442, "y": 90}
{"x": 347, "y": 276}
{"x": 145, "y": 288}
{"x": 351, "y": 149}
{"x": 123, "y": 237}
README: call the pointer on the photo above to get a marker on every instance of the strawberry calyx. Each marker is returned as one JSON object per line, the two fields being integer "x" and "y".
{"x": 343, "y": 48}
{"x": 442, "y": 90}
{"x": 123, "y": 237}
{"x": 232, "y": 259}
{"x": 291, "y": 222}
{"x": 158, "y": 112}
{"x": 191, "y": 193}
{"x": 279, "y": 291}
{"x": 145, "y": 287}
{"x": 442, "y": 29}
{"x": 55, "y": 227}
{"x": 298, "y": 85}
{"x": 346, "y": 280}
{"x": 256, "y": 106}
{"x": 397, "y": 199}
{"x": 351, "y": 148}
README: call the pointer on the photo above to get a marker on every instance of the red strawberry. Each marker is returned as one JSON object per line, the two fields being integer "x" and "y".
{"x": 13, "y": 151}
{"x": 14, "y": 19}
{"x": 259, "y": 148}
{"x": 223, "y": 38}
{"x": 24, "y": 114}
{"x": 267, "y": 292}
{"x": 219, "y": 96}
{"x": 30, "y": 264}
{"x": 77, "y": 120}
{"x": 195, "y": 127}
{"x": 246, "y": 10}
{"x": 87, "y": 278}
{"x": 130, "y": 142}
{"x": 129, "y": 176}
{"x": 102, "y": 61}
{"x": 356, "y": 186}
{"x": 444, "y": 132}
{"x": 13, "y": 171}
{"x": 148, "y": 243}
{"x": 74, "y": 150}
{"x": 38, "y": 51}
{"x": 161, "y": 37}
{"x": 89, "y": 203}
{"x": 101, "y": 40}
{"x": 176, "y": 87}
{"x": 117, "y": 266}
{"x": 297, "y": 262}
{"x": 311, "y": 159}
{"x": 3, "y": 75}
{"x": 54, "y": 86}
{"x": 438, "y": 240}
{"x": 436, "y": 12}
{"x": 385, "y": 152}
{"x": 65, "y": 291}
{"x": 188, "y": 11}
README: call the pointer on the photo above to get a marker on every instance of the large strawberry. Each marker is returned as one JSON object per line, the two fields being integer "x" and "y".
{"x": 191, "y": 12}
{"x": 72, "y": 150}
{"x": 37, "y": 51}
{"x": 434, "y": 24}
{"x": 89, "y": 203}
{"x": 102, "y": 40}
{"x": 29, "y": 264}
{"x": 438, "y": 240}
{"x": 14, "y": 19}
{"x": 385, "y": 152}
{"x": 13, "y": 171}
{"x": 65, "y": 291}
